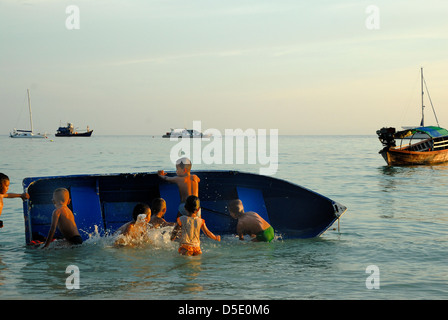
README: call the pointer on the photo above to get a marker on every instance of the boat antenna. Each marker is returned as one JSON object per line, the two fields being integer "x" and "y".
{"x": 433, "y": 110}
{"x": 422, "y": 123}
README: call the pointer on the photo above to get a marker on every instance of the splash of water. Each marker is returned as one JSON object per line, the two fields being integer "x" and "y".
{"x": 143, "y": 234}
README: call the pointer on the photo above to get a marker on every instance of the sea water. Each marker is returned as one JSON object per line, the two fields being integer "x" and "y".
{"x": 392, "y": 242}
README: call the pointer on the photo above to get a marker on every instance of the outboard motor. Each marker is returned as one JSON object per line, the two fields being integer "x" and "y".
{"x": 386, "y": 136}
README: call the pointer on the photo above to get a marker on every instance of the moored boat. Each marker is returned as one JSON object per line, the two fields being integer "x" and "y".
{"x": 103, "y": 203}
{"x": 421, "y": 145}
{"x": 69, "y": 131}
{"x": 17, "y": 133}
{"x": 185, "y": 133}
{"x": 433, "y": 150}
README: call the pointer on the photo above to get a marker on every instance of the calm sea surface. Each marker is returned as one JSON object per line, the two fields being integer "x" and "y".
{"x": 397, "y": 221}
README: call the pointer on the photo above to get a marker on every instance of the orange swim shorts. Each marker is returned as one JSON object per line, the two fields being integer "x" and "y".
{"x": 189, "y": 250}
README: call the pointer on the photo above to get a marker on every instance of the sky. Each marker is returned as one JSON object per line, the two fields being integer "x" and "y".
{"x": 141, "y": 67}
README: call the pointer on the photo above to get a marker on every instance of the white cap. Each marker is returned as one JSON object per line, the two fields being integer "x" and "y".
{"x": 183, "y": 160}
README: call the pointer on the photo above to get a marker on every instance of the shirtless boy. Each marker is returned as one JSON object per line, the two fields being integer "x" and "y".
{"x": 4, "y": 186}
{"x": 188, "y": 183}
{"x": 250, "y": 223}
{"x": 63, "y": 219}
{"x": 158, "y": 207}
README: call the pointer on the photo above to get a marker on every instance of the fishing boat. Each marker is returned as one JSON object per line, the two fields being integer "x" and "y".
{"x": 185, "y": 133}
{"x": 421, "y": 145}
{"x": 27, "y": 133}
{"x": 103, "y": 203}
{"x": 69, "y": 131}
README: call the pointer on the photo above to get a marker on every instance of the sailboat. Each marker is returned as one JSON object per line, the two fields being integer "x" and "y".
{"x": 427, "y": 145}
{"x": 27, "y": 133}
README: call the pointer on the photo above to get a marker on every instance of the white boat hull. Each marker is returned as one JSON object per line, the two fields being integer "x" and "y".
{"x": 28, "y": 135}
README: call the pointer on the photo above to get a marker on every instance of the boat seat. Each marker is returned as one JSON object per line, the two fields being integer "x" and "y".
{"x": 117, "y": 214}
{"x": 41, "y": 221}
{"x": 170, "y": 193}
{"x": 253, "y": 200}
{"x": 87, "y": 211}
{"x": 442, "y": 144}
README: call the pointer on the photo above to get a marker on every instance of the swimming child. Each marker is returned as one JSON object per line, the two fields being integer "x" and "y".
{"x": 250, "y": 223}
{"x": 188, "y": 183}
{"x": 63, "y": 219}
{"x": 191, "y": 225}
{"x": 158, "y": 207}
{"x": 4, "y": 186}
{"x": 135, "y": 229}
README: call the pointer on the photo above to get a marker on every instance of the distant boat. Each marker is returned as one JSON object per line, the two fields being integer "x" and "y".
{"x": 427, "y": 144}
{"x": 27, "y": 133}
{"x": 185, "y": 133}
{"x": 103, "y": 203}
{"x": 69, "y": 131}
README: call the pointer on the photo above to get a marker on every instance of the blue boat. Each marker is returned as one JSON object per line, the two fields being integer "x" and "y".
{"x": 103, "y": 203}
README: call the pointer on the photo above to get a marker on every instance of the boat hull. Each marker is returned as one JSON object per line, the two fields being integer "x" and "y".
{"x": 28, "y": 136}
{"x": 102, "y": 203}
{"x": 186, "y": 136}
{"x": 83, "y": 134}
{"x": 397, "y": 157}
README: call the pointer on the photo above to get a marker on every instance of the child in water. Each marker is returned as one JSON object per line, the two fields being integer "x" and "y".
{"x": 250, "y": 223}
{"x": 4, "y": 186}
{"x": 158, "y": 208}
{"x": 191, "y": 225}
{"x": 135, "y": 229}
{"x": 63, "y": 219}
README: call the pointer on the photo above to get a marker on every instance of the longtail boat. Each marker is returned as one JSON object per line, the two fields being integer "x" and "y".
{"x": 433, "y": 150}
{"x": 422, "y": 145}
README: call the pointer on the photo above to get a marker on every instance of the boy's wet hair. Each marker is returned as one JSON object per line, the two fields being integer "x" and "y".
{"x": 235, "y": 206}
{"x": 157, "y": 205}
{"x": 139, "y": 208}
{"x": 61, "y": 194}
{"x": 184, "y": 163}
{"x": 192, "y": 204}
{"x": 3, "y": 178}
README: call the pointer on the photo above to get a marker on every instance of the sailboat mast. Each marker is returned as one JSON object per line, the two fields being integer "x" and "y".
{"x": 422, "y": 123}
{"x": 29, "y": 107}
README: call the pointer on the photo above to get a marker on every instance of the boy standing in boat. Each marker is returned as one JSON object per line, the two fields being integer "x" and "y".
{"x": 250, "y": 223}
{"x": 4, "y": 186}
{"x": 188, "y": 183}
{"x": 63, "y": 219}
{"x": 191, "y": 225}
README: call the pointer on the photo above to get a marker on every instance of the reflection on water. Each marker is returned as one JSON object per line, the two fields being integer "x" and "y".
{"x": 189, "y": 275}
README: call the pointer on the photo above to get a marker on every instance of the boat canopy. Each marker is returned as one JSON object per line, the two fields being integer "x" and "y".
{"x": 433, "y": 132}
